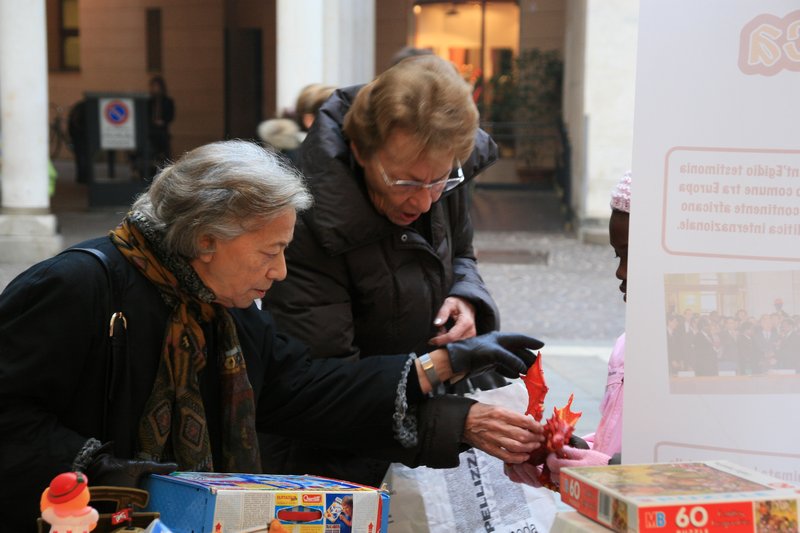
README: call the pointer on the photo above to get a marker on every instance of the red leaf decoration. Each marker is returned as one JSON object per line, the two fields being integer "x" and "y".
{"x": 537, "y": 389}
{"x": 557, "y": 429}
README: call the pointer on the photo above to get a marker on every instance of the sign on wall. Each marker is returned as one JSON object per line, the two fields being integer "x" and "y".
{"x": 713, "y": 323}
{"x": 117, "y": 129}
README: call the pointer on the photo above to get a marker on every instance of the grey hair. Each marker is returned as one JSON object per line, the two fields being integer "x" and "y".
{"x": 223, "y": 190}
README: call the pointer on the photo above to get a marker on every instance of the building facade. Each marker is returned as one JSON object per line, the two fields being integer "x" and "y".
{"x": 229, "y": 64}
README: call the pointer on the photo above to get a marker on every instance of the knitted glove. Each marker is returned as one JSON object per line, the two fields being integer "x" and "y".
{"x": 574, "y": 457}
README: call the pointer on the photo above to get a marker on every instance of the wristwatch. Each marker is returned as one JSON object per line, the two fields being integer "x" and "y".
{"x": 430, "y": 372}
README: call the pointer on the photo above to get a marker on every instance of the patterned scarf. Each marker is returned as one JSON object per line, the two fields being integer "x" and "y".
{"x": 174, "y": 413}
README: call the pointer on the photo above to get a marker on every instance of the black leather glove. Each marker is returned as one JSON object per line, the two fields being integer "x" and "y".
{"x": 577, "y": 442}
{"x": 510, "y": 354}
{"x": 105, "y": 469}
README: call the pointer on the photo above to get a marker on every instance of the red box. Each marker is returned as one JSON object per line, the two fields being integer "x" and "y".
{"x": 692, "y": 497}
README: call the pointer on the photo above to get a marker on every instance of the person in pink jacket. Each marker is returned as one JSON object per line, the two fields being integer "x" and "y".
{"x": 605, "y": 444}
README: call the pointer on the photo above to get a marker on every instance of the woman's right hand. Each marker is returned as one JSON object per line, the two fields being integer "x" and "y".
{"x": 507, "y": 435}
{"x": 510, "y": 354}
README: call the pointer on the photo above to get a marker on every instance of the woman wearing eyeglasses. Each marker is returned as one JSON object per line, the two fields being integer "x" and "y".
{"x": 383, "y": 262}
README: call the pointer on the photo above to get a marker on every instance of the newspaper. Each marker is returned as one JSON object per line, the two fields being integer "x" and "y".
{"x": 474, "y": 497}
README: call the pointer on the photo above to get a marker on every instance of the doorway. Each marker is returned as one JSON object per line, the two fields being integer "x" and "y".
{"x": 243, "y": 82}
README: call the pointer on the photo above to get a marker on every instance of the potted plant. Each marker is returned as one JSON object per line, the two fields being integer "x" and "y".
{"x": 526, "y": 107}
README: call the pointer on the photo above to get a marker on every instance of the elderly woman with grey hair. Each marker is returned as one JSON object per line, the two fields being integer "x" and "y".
{"x": 189, "y": 370}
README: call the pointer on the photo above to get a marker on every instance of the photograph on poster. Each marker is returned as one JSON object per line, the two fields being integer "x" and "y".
{"x": 733, "y": 332}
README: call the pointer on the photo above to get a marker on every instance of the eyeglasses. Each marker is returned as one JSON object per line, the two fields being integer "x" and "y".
{"x": 410, "y": 186}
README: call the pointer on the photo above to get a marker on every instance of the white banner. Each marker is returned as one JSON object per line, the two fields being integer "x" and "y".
{"x": 713, "y": 317}
{"x": 117, "y": 129}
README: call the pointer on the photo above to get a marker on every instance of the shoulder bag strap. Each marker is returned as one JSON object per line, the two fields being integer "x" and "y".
{"x": 117, "y": 332}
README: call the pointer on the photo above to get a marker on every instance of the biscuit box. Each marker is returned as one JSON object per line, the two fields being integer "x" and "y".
{"x": 689, "y": 497}
{"x": 205, "y": 502}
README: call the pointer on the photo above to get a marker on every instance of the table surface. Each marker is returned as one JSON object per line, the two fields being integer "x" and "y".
{"x": 574, "y": 522}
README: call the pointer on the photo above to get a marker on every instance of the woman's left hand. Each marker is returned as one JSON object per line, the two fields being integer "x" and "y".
{"x": 463, "y": 315}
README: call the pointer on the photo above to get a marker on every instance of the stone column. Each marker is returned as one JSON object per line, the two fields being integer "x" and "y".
{"x": 27, "y": 228}
{"x": 349, "y": 47}
{"x": 599, "y": 98}
{"x": 299, "y": 48}
{"x": 323, "y": 41}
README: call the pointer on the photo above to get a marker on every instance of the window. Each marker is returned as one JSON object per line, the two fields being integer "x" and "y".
{"x": 69, "y": 34}
{"x": 480, "y": 38}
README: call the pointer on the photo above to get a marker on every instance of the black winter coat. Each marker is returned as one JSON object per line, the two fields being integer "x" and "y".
{"x": 55, "y": 380}
{"x": 360, "y": 285}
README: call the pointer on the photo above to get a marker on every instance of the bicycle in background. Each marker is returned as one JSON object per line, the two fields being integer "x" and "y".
{"x": 59, "y": 134}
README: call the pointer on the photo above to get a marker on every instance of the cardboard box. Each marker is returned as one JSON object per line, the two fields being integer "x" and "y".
{"x": 203, "y": 502}
{"x": 692, "y": 497}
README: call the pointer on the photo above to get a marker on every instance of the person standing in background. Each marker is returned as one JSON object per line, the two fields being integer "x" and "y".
{"x": 309, "y": 101}
{"x": 162, "y": 112}
{"x": 286, "y": 134}
{"x": 76, "y": 127}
